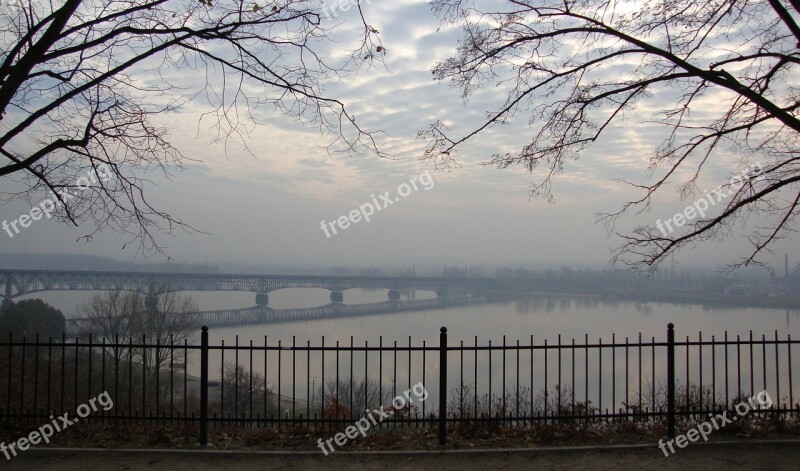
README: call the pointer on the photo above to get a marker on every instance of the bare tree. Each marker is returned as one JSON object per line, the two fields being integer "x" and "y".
{"x": 81, "y": 83}
{"x": 245, "y": 392}
{"x": 165, "y": 319}
{"x": 109, "y": 315}
{"x": 168, "y": 318}
{"x": 350, "y": 396}
{"x": 576, "y": 68}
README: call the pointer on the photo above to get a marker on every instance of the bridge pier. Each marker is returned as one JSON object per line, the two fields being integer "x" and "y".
{"x": 151, "y": 300}
{"x": 7, "y": 299}
{"x": 337, "y": 297}
{"x": 262, "y": 299}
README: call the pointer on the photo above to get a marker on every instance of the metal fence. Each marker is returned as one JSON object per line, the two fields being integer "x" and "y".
{"x": 520, "y": 384}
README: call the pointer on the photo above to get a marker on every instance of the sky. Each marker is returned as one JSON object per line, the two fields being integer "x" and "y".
{"x": 270, "y": 207}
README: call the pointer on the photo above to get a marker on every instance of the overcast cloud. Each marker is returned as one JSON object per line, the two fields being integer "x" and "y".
{"x": 267, "y": 207}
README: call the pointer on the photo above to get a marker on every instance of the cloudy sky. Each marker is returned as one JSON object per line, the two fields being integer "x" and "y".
{"x": 267, "y": 208}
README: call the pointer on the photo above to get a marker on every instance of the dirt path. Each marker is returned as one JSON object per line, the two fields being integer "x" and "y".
{"x": 731, "y": 456}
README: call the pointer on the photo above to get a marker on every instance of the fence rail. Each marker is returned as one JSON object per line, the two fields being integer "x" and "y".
{"x": 666, "y": 383}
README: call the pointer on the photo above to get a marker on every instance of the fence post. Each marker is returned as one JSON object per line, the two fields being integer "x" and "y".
{"x": 671, "y": 380}
{"x": 443, "y": 386}
{"x": 204, "y": 387}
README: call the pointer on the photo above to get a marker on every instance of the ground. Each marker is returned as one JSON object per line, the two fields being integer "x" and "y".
{"x": 732, "y": 455}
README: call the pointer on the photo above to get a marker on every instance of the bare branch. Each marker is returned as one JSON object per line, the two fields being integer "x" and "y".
{"x": 72, "y": 100}
{"x": 583, "y": 66}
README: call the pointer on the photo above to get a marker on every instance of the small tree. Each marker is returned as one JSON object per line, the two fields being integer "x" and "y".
{"x": 243, "y": 390}
{"x": 26, "y": 319}
{"x": 32, "y": 316}
{"x": 364, "y": 395}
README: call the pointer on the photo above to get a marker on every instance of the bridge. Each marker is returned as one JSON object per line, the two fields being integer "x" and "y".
{"x": 266, "y": 315}
{"x": 21, "y": 282}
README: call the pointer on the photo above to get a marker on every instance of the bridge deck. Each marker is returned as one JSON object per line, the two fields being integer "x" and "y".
{"x": 21, "y": 282}
{"x": 266, "y": 315}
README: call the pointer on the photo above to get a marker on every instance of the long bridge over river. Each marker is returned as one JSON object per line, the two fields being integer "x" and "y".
{"x": 451, "y": 292}
{"x": 22, "y": 282}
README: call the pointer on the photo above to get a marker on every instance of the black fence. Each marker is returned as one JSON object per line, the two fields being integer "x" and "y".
{"x": 522, "y": 384}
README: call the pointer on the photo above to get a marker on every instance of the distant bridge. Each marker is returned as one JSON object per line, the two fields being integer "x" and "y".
{"x": 266, "y": 315}
{"x": 22, "y": 282}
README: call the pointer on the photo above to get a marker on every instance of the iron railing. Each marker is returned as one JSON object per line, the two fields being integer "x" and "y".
{"x": 329, "y": 385}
